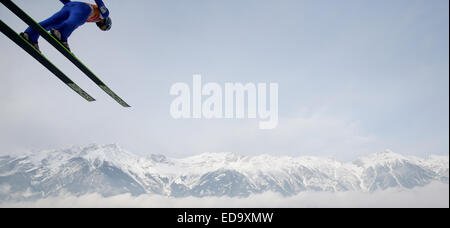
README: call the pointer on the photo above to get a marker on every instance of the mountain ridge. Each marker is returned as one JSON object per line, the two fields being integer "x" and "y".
{"x": 110, "y": 170}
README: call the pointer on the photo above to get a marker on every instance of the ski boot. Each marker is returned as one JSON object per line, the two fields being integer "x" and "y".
{"x": 57, "y": 35}
{"x": 26, "y": 36}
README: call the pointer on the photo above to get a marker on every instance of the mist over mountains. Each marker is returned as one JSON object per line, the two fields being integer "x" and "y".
{"x": 109, "y": 170}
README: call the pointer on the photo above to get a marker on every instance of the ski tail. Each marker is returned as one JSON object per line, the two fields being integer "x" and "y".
{"x": 55, "y": 43}
{"x": 21, "y": 42}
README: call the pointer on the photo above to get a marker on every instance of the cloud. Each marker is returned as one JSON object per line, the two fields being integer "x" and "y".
{"x": 433, "y": 195}
{"x": 307, "y": 133}
{"x": 5, "y": 188}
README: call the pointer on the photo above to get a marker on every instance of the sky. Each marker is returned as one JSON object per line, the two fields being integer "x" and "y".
{"x": 355, "y": 77}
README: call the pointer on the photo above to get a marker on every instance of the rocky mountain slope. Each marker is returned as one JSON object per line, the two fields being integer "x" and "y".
{"x": 110, "y": 170}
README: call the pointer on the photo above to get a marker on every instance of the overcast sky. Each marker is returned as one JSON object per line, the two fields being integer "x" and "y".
{"x": 355, "y": 77}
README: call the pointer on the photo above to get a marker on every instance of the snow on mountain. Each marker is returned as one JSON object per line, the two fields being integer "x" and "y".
{"x": 110, "y": 170}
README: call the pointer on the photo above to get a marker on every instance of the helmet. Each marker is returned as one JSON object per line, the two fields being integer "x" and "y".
{"x": 105, "y": 22}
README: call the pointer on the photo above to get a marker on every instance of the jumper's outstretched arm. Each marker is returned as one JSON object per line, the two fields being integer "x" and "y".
{"x": 103, "y": 10}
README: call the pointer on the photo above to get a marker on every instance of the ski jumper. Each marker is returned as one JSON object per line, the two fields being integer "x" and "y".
{"x": 70, "y": 17}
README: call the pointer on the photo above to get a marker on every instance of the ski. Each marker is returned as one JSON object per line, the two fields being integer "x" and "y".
{"x": 55, "y": 43}
{"x": 16, "y": 38}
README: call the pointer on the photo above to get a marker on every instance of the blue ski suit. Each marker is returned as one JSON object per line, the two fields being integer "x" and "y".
{"x": 70, "y": 17}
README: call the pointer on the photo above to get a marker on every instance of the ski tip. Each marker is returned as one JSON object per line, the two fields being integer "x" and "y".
{"x": 126, "y": 105}
{"x": 81, "y": 92}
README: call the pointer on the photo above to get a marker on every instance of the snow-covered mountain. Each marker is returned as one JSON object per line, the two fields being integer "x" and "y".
{"x": 110, "y": 170}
